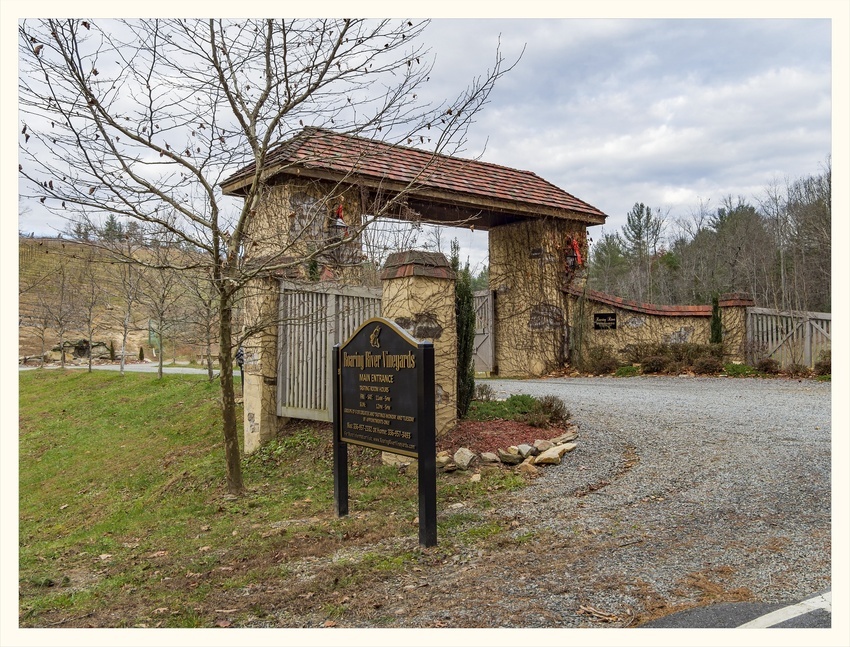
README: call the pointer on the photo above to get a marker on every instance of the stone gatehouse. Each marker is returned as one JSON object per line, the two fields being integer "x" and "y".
{"x": 320, "y": 187}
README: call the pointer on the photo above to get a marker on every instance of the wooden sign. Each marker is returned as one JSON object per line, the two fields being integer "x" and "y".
{"x": 384, "y": 399}
{"x": 379, "y": 404}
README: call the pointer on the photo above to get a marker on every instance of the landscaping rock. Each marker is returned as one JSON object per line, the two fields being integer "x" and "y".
{"x": 527, "y": 469}
{"x": 464, "y": 457}
{"x": 509, "y": 456}
{"x": 526, "y": 450}
{"x": 542, "y": 445}
{"x": 565, "y": 437}
{"x": 553, "y": 455}
{"x": 489, "y": 457}
{"x": 443, "y": 459}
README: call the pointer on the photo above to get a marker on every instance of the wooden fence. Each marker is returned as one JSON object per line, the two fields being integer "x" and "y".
{"x": 787, "y": 337}
{"x": 311, "y": 322}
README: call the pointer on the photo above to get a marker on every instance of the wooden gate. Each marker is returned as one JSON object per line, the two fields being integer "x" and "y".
{"x": 787, "y": 337}
{"x": 313, "y": 319}
{"x": 484, "y": 347}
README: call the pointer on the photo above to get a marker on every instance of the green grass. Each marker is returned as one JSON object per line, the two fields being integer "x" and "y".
{"x": 125, "y": 519}
{"x": 740, "y": 370}
{"x": 627, "y": 371}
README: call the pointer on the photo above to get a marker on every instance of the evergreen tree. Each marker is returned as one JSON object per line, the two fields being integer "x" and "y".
{"x": 465, "y": 316}
{"x": 716, "y": 332}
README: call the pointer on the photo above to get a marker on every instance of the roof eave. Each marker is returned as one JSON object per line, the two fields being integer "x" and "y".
{"x": 235, "y": 187}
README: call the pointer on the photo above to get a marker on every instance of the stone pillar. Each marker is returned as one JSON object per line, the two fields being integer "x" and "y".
{"x": 733, "y": 316}
{"x": 261, "y": 364}
{"x": 419, "y": 295}
{"x": 531, "y": 262}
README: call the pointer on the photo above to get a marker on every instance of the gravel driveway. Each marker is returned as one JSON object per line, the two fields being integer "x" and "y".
{"x": 681, "y": 492}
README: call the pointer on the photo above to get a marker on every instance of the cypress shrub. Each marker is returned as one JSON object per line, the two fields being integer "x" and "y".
{"x": 716, "y": 334}
{"x": 465, "y": 317}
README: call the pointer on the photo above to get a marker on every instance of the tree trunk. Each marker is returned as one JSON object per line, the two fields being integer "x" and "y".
{"x": 209, "y": 359}
{"x": 123, "y": 346}
{"x": 159, "y": 348}
{"x": 232, "y": 457}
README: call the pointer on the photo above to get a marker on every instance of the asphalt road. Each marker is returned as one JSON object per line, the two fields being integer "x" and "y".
{"x": 133, "y": 368}
{"x": 812, "y": 613}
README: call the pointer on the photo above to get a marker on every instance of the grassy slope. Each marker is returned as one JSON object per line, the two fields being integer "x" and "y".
{"x": 124, "y": 520}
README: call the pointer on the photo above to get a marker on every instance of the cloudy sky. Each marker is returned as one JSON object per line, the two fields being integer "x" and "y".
{"x": 668, "y": 112}
{"x": 665, "y": 112}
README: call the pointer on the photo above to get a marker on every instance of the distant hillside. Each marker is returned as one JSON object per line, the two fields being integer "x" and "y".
{"x": 55, "y": 276}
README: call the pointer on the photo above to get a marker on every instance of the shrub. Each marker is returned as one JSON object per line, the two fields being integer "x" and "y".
{"x": 716, "y": 327}
{"x": 654, "y": 364}
{"x": 636, "y": 353}
{"x": 627, "y": 371}
{"x": 708, "y": 365}
{"x": 686, "y": 353}
{"x": 484, "y": 392}
{"x": 141, "y": 353}
{"x": 768, "y": 365}
{"x": 674, "y": 367}
{"x": 798, "y": 370}
{"x": 824, "y": 364}
{"x": 537, "y": 419}
{"x": 112, "y": 351}
{"x": 716, "y": 350}
{"x": 600, "y": 360}
{"x": 738, "y": 370}
{"x": 554, "y": 408}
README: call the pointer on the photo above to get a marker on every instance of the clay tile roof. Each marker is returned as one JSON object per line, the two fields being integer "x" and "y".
{"x": 644, "y": 308}
{"x": 321, "y": 153}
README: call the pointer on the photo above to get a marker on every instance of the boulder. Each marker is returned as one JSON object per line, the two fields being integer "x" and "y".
{"x": 463, "y": 458}
{"x": 509, "y": 456}
{"x": 489, "y": 457}
{"x": 543, "y": 445}
{"x": 526, "y": 450}
{"x": 552, "y": 456}
{"x": 528, "y": 469}
{"x": 567, "y": 436}
{"x": 443, "y": 459}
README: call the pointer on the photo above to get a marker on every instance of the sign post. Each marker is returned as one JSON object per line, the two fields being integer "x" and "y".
{"x": 384, "y": 399}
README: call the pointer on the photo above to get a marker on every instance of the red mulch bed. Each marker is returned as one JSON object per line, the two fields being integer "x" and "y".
{"x": 490, "y": 435}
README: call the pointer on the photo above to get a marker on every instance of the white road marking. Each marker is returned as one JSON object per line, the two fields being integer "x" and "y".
{"x": 786, "y": 613}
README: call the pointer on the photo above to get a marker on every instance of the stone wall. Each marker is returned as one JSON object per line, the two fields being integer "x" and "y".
{"x": 531, "y": 262}
{"x": 602, "y": 320}
{"x": 297, "y": 219}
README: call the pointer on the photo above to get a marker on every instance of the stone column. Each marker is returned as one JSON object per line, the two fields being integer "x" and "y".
{"x": 733, "y": 316}
{"x": 419, "y": 295}
{"x": 531, "y": 262}
{"x": 261, "y": 364}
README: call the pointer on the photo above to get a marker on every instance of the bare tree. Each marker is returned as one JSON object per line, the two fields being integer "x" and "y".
{"x": 91, "y": 301}
{"x": 61, "y": 306}
{"x": 200, "y": 314}
{"x": 161, "y": 290}
{"x": 143, "y": 119}
{"x": 126, "y": 286}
